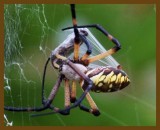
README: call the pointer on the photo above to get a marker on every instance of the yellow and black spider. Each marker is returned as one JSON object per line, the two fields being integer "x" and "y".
{"x": 97, "y": 79}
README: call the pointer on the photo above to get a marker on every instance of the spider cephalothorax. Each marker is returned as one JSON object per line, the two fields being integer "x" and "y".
{"x": 70, "y": 74}
{"x": 77, "y": 69}
{"x": 67, "y": 47}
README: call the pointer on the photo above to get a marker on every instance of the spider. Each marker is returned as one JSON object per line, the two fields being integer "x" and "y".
{"x": 98, "y": 79}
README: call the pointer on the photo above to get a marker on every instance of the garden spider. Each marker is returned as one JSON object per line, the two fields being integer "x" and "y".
{"x": 98, "y": 79}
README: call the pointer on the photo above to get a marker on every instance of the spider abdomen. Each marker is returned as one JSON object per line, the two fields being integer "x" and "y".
{"x": 108, "y": 79}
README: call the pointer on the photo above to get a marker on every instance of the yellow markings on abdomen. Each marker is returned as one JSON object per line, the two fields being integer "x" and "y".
{"x": 122, "y": 79}
{"x": 96, "y": 78}
{"x": 113, "y": 78}
{"x": 107, "y": 79}
{"x": 100, "y": 84}
{"x": 118, "y": 77}
{"x": 102, "y": 78}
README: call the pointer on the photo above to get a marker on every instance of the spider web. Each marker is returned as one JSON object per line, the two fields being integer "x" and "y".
{"x": 31, "y": 33}
{"x": 19, "y": 21}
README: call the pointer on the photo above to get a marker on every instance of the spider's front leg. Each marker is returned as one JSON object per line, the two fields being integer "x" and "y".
{"x": 76, "y": 32}
{"x": 109, "y": 36}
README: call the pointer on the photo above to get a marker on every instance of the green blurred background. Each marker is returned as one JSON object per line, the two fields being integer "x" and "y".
{"x": 33, "y": 31}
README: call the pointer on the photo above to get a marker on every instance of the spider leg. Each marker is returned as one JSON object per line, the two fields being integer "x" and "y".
{"x": 76, "y": 32}
{"x": 67, "y": 96}
{"x": 43, "y": 81}
{"x": 46, "y": 104}
{"x": 73, "y": 92}
{"x": 73, "y": 97}
{"x": 66, "y": 110}
{"x": 55, "y": 65}
{"x": 89, "y": 50}
{"x": 43, "y": 98}
{"x": 109, "y": 36}
{"x": 63, "y": 112}
{"x": 84, "y": 108}
{"x": 94, "y": 109}
{"x": 54, "y": 90}
{"x": 27, "y": 109}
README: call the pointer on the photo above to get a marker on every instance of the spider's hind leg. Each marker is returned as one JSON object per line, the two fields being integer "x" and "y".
{"x": 73, "y": 98}
{"x": 73, "y": 92}
{"x": 67, "y": 97}
{"x": 94, "y": 109}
